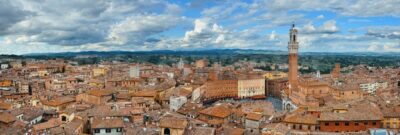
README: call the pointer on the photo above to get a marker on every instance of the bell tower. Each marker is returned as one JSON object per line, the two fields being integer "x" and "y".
{"x": 293, "y": 47}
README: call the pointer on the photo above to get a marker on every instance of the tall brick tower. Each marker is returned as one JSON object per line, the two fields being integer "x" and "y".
{"x": 293, "y": 47}
{"x": 336, "y": 71}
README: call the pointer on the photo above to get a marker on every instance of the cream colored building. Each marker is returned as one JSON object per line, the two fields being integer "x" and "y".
{"x": 43, "y": 73}
{"x": 248, "y": 87}
{"x": 99, "y": 71}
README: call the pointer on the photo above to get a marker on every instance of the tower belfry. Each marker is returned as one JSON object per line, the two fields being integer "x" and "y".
{"x": 293, "y": 47}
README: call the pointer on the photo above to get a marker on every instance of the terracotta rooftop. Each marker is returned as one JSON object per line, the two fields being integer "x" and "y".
{"x": 220, "y": 111}
{"x": 299, "y": 118}
{"x": 233, "y": 131}
{"x": 355, "y": 113}
{"x": 99, "y": 93}
{"x": 5, "y": 106}
{"x": 201, "y": 131}
{"x": 58, "y": 101}
{"x": 254, "y": 116}
{"x": 6, "y": 117}
{"x": 145, "y": 93}
{"x": 47, "y": 125}
{"x": 277, "y": 127}
{"x": 107, "y": 123}
{"x": 173, "y": 122}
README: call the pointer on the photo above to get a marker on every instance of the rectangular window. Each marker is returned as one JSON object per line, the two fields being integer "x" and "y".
{"x": 119, "y": 129}
{"x": 108, "y": 130}
{"x": 374, "y": 123}
{"x": 346, "y": 123}
{"x": 366, "y": 123}
{"x": 336, "y": 123}
{"x": 356, "y": 123}
{"x": 96, "y": 130}
{"x": 326, "y": 123}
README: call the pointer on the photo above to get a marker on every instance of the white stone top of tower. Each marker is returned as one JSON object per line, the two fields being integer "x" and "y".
{"x": 293, "y": 45}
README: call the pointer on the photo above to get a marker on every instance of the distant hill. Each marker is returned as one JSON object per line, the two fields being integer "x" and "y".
{"x": 161, "y": 52}
{"x": 203, "y": 52}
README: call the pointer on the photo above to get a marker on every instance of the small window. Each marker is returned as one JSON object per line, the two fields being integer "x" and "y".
{"x": 108, "y": 130}
{"x": 119, "y": 129}
{"x": 374, "y": 123}
{"x": 346, "y": 123}
{"x": 326, "y": 123}
{"x": 96, "y": 130}
{"x": 63, "y": 118}
{"x": 336, "y": 123}
{"x": 366, "y": 123}
{"x": 356, "y": 123}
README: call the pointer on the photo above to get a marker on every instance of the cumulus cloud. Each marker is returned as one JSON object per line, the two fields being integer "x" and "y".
{"x": 362, "y": 8}
{"x": 139, "y": 29}
{"x": 320, "y": 17}
{"x": 204, "y": 31}
{"x": 327, "y": 27}
{"x": 273, "y": 36}
{"x": 77, "y": 25}
{"x": 389, "y": 32}
{"x": 373, "y": 47}
{"x": 208, "y": 34}
{"x": 10, "y": 14}
{"x": 391, "y": 47}
{"x": 79, "y": 22}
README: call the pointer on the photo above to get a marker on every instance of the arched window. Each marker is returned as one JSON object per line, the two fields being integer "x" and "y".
{"x": 167, "y": 131}
{"x": 294, "y": 38}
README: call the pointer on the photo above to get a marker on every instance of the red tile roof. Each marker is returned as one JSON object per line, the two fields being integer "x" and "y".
{"x": 220, "y": 111}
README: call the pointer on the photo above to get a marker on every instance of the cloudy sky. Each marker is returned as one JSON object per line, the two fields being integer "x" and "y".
{"x": 34, "y": 26}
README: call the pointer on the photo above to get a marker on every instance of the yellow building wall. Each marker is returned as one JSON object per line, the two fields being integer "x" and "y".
{"x": 99, "y": 71}
{"x": 391, "y": 123}
{"x": 5, "y": 83}
{"x": 275, "y": 75}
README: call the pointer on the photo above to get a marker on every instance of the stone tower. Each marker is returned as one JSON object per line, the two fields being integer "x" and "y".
{"x": 293, "y": 47}
{"x": 336, "y": 71}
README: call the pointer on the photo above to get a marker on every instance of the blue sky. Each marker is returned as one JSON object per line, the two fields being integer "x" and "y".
{"x": 28, "y": 26}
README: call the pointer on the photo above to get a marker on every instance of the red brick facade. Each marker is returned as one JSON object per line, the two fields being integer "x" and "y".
{"x": 347, "y": 126}
{"x": 221, "y": 89}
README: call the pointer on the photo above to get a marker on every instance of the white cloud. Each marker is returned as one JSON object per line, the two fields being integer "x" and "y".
{"x": 388, "y": 32}
{"x": 273, "y": 36}
{"x": 320, "y": 17}
{"x": 136, "y": 29}
{"x": 141, "y": 25}
{"x": 327, "y": 27}
{"x": 391, "y": 47}
{"x": 204, "y": 31}
{"x": 373, "y": 47}
{"x": 220, "y": 39}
